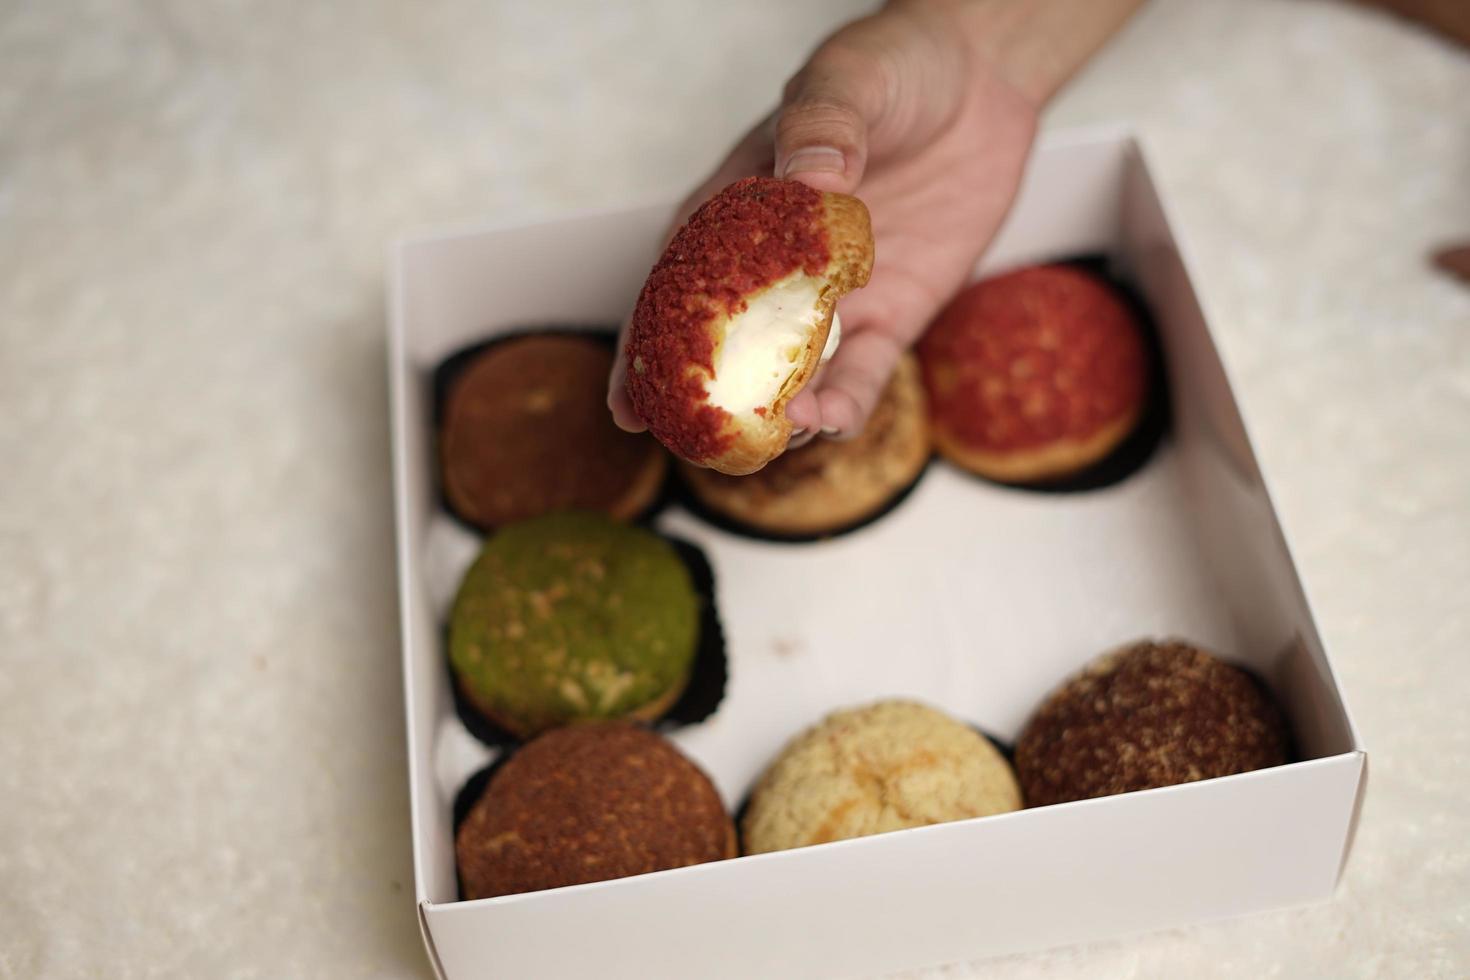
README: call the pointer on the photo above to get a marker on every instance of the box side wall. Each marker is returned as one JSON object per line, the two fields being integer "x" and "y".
{"x": 985, "y": 887}
{"x": 1235, "y": 523}
{"x": 425, "y": 692}
{"x": 1068, "y": 203}
{"x": 462, "y": 288}
{"x": 428, "y": 939}
{"x": 1038, "y": 878}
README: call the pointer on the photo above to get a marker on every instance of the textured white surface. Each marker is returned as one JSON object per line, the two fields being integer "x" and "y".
{"x": 201, "y": 759}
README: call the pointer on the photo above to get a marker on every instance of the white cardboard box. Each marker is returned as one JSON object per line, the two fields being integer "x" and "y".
{"x": 976, "y": 598}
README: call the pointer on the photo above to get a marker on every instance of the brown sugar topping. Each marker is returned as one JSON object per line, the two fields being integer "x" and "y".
{"x": 589, "y": 803}
{"x": 1153, "y": 715}
{"x": 751, "y": 235}
{"x": 526, "y": 432}
{"x": 1033, "y": 357}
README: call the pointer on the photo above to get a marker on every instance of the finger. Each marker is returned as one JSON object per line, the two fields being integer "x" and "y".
{"x": 625, "y": 416}
{"x": 854, "y": 381}
{"x": 822, "y": 127}
{"x": 799, "y": 438}
{"x": 803, "y": 411}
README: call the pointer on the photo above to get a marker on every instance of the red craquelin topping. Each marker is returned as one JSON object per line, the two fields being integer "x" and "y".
{"x": 1031, "y": 357}
{"x": 752, "y": 234}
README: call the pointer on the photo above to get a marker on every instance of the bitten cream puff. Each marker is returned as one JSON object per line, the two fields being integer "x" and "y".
{"x": 736, "y": 315}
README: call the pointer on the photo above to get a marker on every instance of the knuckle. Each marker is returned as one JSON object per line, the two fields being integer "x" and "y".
{"x": 831, "y": 118}
{"x": 849, "y": 51}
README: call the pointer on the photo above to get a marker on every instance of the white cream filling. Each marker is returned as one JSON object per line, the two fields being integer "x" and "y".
{"x": 764, "y": 344}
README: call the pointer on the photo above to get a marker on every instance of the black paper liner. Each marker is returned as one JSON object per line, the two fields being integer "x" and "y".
{"x": 707, "y": 676}
{"x": 473, "y": 788}
{"x": 1154, "y": 422}
{"x": 681, "y": 493}
{"x": 447, "y": 372}
{"x": 711, "y": 670}
{"x": 1006, "y": 749}
{"x": 469, "y": 794}
{"x": 1292, "y": 750}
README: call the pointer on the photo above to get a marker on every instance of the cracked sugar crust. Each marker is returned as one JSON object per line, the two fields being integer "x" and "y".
{"x": 1150, "y": 715}
{"x": 880, "y": 767}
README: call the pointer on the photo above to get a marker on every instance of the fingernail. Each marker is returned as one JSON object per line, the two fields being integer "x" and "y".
{"x": 799, "y": 430}
{"x": 829, "y": 430}
{"x": 815, "y": 159}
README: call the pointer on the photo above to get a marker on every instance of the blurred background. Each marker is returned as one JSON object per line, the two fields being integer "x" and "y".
{"x": 202, "y": 769}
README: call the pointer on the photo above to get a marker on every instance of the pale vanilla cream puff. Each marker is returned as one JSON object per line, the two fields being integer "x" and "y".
{"x": 869, "y": 770}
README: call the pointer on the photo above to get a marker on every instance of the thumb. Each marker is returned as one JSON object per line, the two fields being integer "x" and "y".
{"x": 822, "y": 127}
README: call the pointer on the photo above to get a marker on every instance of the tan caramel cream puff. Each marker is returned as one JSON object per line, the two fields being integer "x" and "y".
{"x": 828, "y": 486}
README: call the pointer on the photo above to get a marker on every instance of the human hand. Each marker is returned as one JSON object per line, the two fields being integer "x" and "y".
{"x": 913, "y": 111}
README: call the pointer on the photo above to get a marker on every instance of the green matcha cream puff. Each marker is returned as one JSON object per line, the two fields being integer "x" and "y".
{"x": 572, "y": 617}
